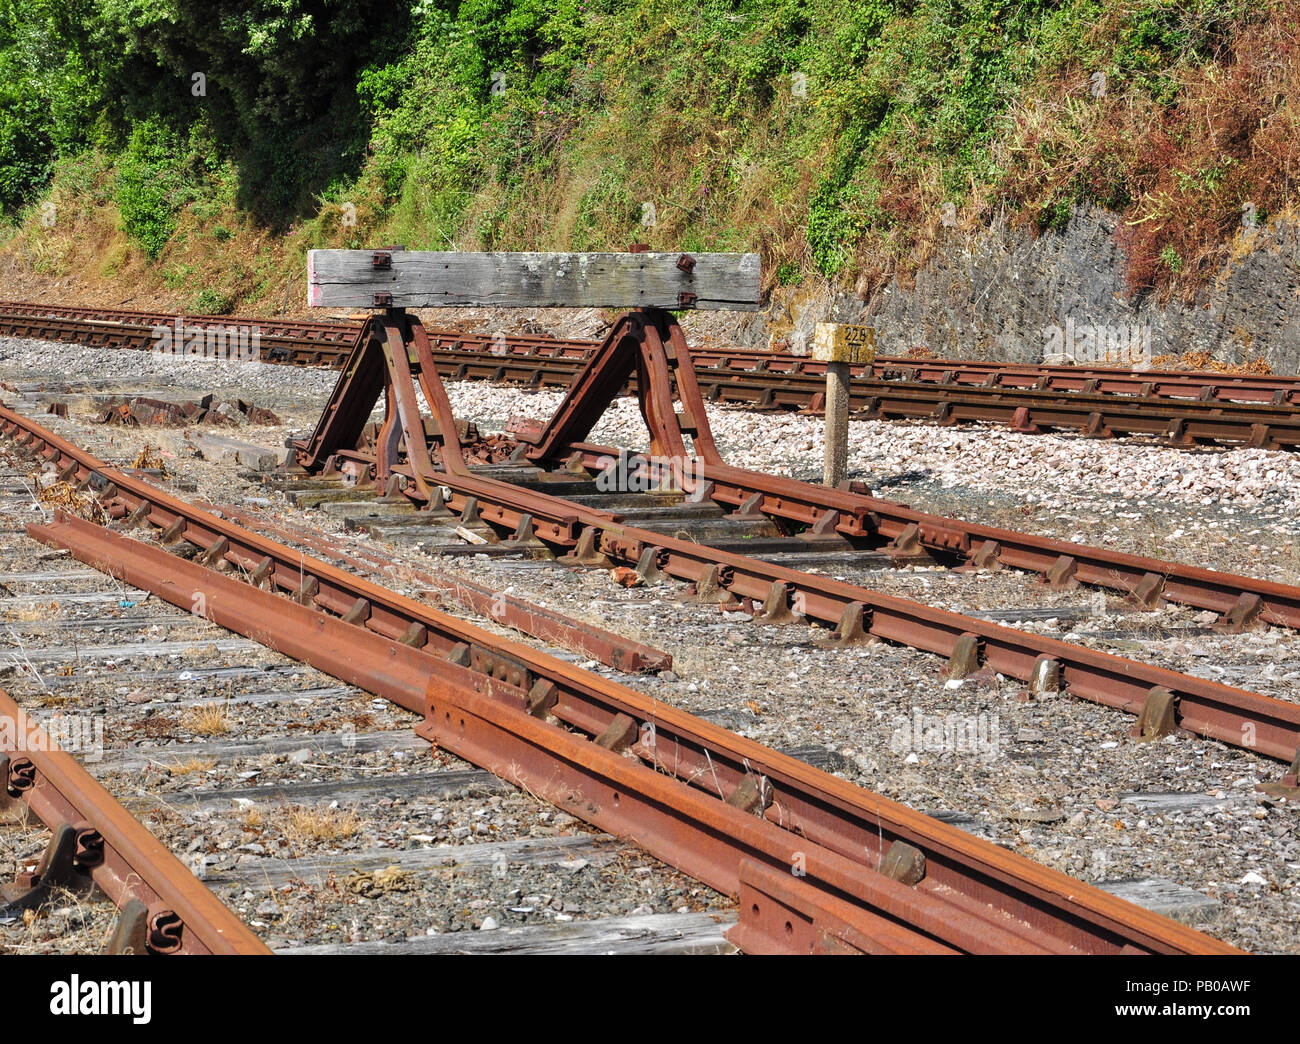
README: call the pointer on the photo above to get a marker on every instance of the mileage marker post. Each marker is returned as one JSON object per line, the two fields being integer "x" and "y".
{"x": 840, "y": 345}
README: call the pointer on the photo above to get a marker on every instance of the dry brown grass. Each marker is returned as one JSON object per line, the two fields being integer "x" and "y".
{"x": 313, "y": 824}
{"x": 29, "y": 613}
{"x": 191, "y": 765}
{"x": 64, "y": 495}
{"x": 210, "y": 719}
{"x": 1204, "y": 361}
{"x": 149, "y": 458}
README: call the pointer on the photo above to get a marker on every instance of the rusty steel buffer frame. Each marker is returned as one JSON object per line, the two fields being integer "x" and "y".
{"x": 819, "y": 865}
{"x": 429, "y": 469}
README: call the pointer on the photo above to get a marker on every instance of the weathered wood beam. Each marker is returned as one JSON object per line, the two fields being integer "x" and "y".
{"x": 430, "y": 279}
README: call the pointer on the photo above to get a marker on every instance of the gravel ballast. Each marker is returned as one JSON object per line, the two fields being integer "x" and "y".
{"x": 1055, "y": 779}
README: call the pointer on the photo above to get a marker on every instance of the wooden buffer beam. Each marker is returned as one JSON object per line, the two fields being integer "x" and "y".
{"x": 393, "y": 358}
{"x": 397, "y": 278}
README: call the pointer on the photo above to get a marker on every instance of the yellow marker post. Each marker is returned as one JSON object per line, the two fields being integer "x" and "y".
{"x": 840, "y": 345}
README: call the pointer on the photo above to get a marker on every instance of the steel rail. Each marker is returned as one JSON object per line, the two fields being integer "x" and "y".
{"x": 1181, "y": 421}
{"x": 17, "y": 319}
{"x": 1176, "y": 384}
{"x": 691, "y": 793}
{"x": 299, "y": 349}
{"x": 591, "y": 641}
{"x": 322, "y": 330}
{"x": 1231, "y": 715}
{"x": 1241, "y": 600}
{"x": 125, "y": 861}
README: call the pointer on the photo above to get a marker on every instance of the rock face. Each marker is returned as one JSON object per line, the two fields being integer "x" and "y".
{"x": 1008, "y": 295}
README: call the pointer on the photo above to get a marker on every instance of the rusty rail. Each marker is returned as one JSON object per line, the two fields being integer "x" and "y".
{"x": 1229, "y": 387}
{"x": 1242, "y": 601}
{"x": 165, "y": 908}
{"x": 1097, "y": 414}
{"x": 1183, "y": 408}
{"x": 693, "y": 795}
{"x": 856, "y": 871}
{"x": 597, "y": 643}
{"x": 653, "y": 346}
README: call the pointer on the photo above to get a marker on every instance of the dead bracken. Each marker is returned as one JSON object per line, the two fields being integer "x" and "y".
{"x": 81, "y": 503}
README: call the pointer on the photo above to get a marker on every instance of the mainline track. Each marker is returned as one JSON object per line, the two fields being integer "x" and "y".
{"x": 820, "y": 865}
{"x": 165, "y": 908}
{"x": 1185, "y": 409}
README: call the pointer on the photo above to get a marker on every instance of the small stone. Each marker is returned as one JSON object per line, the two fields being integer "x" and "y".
{"x": 489, "y": 924}
{"x": 300, "y": 757}
{"x": 867, "y": 766}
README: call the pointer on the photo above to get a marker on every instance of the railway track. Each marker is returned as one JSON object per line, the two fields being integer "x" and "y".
{"x": 1180, "y": 408}
{"x": 871, "y": 875}
{"x": 535, "y": 722}
{"x": 245, "y": 766}
{"x": 524, "y": 500}
{"x": 96, "y": 844}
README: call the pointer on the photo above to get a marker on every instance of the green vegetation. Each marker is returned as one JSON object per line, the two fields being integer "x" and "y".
{"x": 838, "y": 139}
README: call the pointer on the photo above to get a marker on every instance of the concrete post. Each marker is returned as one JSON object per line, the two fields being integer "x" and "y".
{"x": 840, "y": 346}
{"x": 836, "y": 462}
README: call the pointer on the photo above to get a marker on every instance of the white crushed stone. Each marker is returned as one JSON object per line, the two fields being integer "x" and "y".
{"x": 782, "y": 443}
{"x": 1033, "y": 466}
